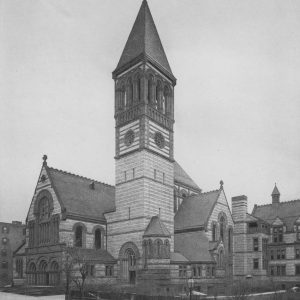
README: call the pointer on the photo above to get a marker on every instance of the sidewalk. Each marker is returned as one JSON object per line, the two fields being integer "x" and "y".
{"x": 10, "y": 296}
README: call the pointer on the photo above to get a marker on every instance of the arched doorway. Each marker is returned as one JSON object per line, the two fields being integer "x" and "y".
{"x": 31, "y": 274}
{"x": 54, "y": 275}
{"x": 43, "y": 275}
{"x": 129, "y": 255}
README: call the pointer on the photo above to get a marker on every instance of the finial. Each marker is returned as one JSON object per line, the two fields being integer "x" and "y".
{"x": 45, "y": 157}
{"x": 221, "y": 184}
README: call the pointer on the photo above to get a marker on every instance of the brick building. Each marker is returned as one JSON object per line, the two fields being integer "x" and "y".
{"x": 12, "y": 237}
{"x": 155, "y": 226}
{"x": 267, "y": 241}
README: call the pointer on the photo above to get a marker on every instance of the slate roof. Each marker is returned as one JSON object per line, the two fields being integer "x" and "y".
{"x": 144, "y": 40}
{"x": 99, "y": 255}
{"x": 156, "y": 228}
{"x": 288, "y": 212}
{"x": 180, "y": 176}
{"x": 195, "y": 210}
{"x": 193, "y": 245}
{"x": 178, "y": 258}
{"x": 78, "y": 198}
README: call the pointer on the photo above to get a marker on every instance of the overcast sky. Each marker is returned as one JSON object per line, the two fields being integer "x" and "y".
{"x": 237, "y": 99}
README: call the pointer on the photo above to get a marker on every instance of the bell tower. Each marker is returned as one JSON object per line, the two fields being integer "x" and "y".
{"x": 144, "y": 152}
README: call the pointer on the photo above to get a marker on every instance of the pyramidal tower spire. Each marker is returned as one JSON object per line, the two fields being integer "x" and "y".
{"x": 275, "y": 195}
{"x": 144, "y": 157}
{"x": 144, "y": 44}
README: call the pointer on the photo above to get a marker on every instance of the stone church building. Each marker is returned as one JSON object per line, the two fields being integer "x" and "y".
{"x": 155, "y": 226}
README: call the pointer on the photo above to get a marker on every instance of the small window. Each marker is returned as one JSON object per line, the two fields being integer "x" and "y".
{"x": 278, "y": 253}
{"x": 4, "y": 229}
{"x": 298, "y": 232}
{"x": 98, "y": 238}
{"x": 78, "y": 236}
{"x": 282, "y": 253}
{"x": 264, "y": 263}
{"x": 4, "y": 265}
{"x": 194, "y": 272}
{"x": 255, "y": 264}
{"x": 182, "y": 271}
{"x": 272, "y": 271}
{"x": 199, "y": 271}
{"x": 271, "y": 254}
{"x": 255, "y": 244}
{"x": 90, "y": 270}
{"x": 297, "y": 253}
{"x": 297, "y": 269}
{"x": 208, "y": 271}
{"x": 109, "y": 271}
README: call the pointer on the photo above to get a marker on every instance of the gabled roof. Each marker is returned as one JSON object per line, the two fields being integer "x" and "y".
{"x": 156, "y": 228}
{"x": 288, "y": 212}
{"x": 195, "y": 210}
{"x": 144, "y": 41}
{"x": 193, "y": 245}
{"x": 180, "y": 176}
{"x": 79, "y": 198}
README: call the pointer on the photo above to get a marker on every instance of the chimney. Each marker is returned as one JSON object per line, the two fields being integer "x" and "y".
{"x": 239, "y": 208}
{"x": 275, "y": 195}
{"x": 92, "y": 185}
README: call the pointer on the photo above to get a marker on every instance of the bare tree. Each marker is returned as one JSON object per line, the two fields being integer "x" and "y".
{"x": 75, "y": 267}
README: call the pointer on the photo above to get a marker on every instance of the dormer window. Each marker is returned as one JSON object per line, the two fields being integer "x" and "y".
{"x": 278, "y": 234}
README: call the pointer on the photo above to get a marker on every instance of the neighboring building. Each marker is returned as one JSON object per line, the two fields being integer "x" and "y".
{"x": 155, "y": 226}
{"x": 267, "y": 242}
{"x": 12, "y": 236}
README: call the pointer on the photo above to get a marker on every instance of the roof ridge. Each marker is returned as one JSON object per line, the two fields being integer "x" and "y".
{"x": 208, "y": 192}
{"x": 284, "y": 202}
{"x": 80, "y": 176}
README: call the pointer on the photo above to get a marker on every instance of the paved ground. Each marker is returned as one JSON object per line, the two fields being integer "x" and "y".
{"x": 10, "y": 296}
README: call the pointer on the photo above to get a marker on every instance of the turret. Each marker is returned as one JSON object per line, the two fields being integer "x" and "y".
{"x": 275, "y": 195}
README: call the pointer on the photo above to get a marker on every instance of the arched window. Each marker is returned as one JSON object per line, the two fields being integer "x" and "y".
{"x": 150, "y": 89}
{"x": 158, "y": 95}
{"x": 221, "y": 258}
{"x": 230, "y": 240}
{"x": 138, "y": 88}
{"x": 44, "y": 208}
{"x": 175, "y": 203}
{"x": 166, "y": 100}
{"x": 150, "y": 249}
{"x": 129, "y": 94}
{"x": 78, "y": 236}
{"x": 130, "y": 255}
{"x": 19, "y": 267}
{"x": 222, "y": 228}
{"x": 98, "y": 238}
{"x": 167, "y": 249}
{"x": 214, "y": 231}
